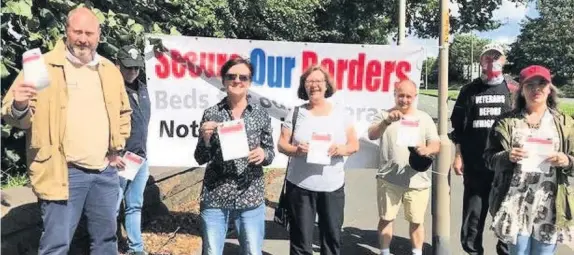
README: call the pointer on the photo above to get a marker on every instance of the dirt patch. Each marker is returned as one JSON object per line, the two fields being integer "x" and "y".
{"x": 179, "y": 232}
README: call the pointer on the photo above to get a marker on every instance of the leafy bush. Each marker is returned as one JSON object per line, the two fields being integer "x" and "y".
{"x": 29, "y": 24}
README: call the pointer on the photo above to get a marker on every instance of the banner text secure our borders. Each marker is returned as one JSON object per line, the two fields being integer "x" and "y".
{"x": 277, "y": 71}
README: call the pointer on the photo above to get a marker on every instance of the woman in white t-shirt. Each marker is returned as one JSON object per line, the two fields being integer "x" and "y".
{"x": 316, "y": 188}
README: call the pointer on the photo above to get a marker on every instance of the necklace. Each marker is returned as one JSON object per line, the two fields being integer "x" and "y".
{"x": 535, "y": 125}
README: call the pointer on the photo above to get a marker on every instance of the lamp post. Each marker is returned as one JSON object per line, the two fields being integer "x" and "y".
{"x": 441, "y": 186}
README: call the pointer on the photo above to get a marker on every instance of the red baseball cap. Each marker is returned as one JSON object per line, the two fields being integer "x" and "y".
{"x": 535, "y": 71}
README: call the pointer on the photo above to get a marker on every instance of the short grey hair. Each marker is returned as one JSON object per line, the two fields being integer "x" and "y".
{"x": 78, "y": 9}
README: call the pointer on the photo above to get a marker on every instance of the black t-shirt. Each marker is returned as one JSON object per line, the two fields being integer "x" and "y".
{"x": 476, "y": 109}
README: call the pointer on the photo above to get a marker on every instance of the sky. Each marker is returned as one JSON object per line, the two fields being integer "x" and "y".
{"x": 508, "y": 13}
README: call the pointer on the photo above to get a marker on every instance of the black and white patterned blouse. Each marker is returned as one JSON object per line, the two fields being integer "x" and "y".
{"x": 529, "y": 207}
{"x": 235, "y": 184}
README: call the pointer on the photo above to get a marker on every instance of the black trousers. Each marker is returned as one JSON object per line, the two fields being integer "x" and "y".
{"x": 303, "y": 206}
{"x": 474, "y": 211}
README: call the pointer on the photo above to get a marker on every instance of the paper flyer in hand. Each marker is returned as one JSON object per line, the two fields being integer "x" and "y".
{"x": 319, "y": 145}
{"x": 538, "y": 149}
{"x": 133, "y": 164}
{"x": 408, "y": 134}
{"x": 233, "y": 140}
{"x": 35, "y": 71}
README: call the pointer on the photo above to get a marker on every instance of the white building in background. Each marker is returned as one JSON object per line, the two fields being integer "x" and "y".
{"x": 472, "y": 73}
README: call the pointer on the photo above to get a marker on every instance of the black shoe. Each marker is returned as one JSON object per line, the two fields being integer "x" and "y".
{"x": 137, "y": 253}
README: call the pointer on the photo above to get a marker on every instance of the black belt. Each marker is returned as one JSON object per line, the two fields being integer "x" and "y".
{"x": 72, "y": 165}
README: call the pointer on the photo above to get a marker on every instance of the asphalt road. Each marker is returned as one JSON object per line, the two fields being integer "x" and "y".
{"x": 361, "y": 216}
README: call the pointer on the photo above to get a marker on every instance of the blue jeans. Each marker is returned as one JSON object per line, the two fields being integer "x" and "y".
{"x": 95, "y": 194}
{"x": 249, "y": 224}
{"x": 133, "y": 192}
{"x": 526, "y": 245}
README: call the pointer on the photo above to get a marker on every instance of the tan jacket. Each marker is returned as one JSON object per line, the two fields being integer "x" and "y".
{"x": 45, "y": 122}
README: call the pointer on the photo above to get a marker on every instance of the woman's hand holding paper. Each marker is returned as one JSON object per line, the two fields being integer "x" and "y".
{"x": 207, "y": 130}
{"x": 302, "y": 149}
{"x": 517, "y": 154}
{"x": 558, "y": 159}
{"x": 337, "y": 150}
{"x": 256, "y": 156}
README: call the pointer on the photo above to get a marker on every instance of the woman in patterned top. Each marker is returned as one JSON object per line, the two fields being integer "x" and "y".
{"x": 316, "y": 188}
{"x": 529, "y": 199}
{"x": 234, "y": 189}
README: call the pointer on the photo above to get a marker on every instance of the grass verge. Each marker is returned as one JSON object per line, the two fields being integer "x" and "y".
{"x": 566, "y": 108}
{"x": 452, "y": 94}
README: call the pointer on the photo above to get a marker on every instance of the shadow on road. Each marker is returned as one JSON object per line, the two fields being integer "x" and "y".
{"x": 358, "y": 241}
{"x": 233, "y": 249}
{"x": 273, "y": 231}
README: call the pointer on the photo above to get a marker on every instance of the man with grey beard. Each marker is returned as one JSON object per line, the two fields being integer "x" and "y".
{"x": 76, "y": 129}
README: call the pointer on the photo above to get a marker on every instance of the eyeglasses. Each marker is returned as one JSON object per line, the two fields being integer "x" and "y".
{"x": 311, "y": 82}
{"x": 232, "y": 77}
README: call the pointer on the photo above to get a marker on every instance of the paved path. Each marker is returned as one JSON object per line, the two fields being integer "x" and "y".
{"x": 429, "y": 104}
{"x": 361, "y": 216}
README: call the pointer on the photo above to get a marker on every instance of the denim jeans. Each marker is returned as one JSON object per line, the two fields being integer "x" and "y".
{"x": 133, "y": 192}
{"x": 526, "y": 245}
{"x": 95, "y": 194}
{"x": 249, "y": 224}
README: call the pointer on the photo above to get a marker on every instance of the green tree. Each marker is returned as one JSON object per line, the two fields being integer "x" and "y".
{"x": 547, "y": 40}
{"x": 372, "y": 21}
{"x": 431, "y": 65}
{"x": 460, "y": 55}
{"x": 29, "y": 24}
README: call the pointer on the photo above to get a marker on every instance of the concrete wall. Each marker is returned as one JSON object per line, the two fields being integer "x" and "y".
{"x": 22, "y": 226}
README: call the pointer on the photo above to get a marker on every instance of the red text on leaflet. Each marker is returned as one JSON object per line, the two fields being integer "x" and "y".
{"x": 231, "y": 129}
{"x": 320, "y": 137}
{"x": 539, "y": 140}
{"x": 409, "y": 123}
{"x": 134, "y": 158}
{"x": 30, "y": 58}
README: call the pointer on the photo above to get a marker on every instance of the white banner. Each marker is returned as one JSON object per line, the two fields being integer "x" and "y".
{"x": 184, "y": 81}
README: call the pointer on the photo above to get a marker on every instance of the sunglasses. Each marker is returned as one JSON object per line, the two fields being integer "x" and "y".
{"x": 232, "y": 77}
{"x": 536, "y": 84}
{"x": 131, "y": 68}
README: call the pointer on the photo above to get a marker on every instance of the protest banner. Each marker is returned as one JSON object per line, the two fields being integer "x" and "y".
{"x": 184, "y": 81}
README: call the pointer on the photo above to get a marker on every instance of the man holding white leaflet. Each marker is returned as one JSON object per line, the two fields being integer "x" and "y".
{"x": 76, "y": 128}
{"x": 401, "y": 177}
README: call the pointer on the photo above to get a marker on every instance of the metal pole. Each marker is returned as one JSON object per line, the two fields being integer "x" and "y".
{"x": 471, "y": 56}
{"x": 441, "y": 186}
{"x": 426, "y": 74}
{"x": 402, "y": 15}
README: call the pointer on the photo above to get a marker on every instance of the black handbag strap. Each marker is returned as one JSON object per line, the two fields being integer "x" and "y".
{"x": 293, "y": 124}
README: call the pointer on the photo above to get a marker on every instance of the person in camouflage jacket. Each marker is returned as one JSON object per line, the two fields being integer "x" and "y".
{"x": 532, "y": 206}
